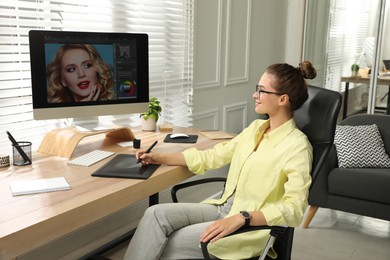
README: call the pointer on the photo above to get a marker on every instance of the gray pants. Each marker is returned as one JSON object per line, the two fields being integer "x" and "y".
{"x": 172, "y": 231}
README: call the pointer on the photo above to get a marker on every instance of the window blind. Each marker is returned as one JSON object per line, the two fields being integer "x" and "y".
{"x": 169, "y": 25}
{"x": 349, "y": 26}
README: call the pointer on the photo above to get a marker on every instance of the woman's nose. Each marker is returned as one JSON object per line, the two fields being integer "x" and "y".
{"x": 81, "y": 73}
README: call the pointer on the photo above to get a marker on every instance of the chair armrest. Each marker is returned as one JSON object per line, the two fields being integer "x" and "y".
{"x": 180, "y": 186}
{"x": 275, "y": 231}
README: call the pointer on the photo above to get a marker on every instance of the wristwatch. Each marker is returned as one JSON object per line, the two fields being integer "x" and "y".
{"x": 247, "y": 217}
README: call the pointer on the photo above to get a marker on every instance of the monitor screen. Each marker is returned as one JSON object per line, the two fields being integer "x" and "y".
{"x": 88, "y": 74}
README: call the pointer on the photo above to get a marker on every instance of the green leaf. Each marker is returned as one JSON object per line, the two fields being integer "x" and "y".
{"x": 154, "y": 109}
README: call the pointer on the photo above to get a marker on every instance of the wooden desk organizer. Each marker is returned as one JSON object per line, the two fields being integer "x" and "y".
{"x": 63, "y": 141}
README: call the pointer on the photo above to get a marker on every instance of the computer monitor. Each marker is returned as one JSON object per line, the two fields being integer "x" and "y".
{"x": 88, "y": 74}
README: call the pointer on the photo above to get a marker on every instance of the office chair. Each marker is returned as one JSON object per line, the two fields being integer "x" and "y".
{"x": 316, "y": 118}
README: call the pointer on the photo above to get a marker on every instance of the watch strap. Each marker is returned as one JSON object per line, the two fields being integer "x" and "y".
{"x": 247, "y": 217}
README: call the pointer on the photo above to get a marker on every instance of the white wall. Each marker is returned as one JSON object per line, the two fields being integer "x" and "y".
{"x": 234, "y": 42}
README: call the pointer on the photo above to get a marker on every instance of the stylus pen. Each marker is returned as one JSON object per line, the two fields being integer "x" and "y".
{"x": 20, "y": 150}
{"x": 148, "y": 150}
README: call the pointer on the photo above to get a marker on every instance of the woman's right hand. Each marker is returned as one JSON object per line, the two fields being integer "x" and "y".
{"x": 146, "y": 158}
{"x": 161, "y": 158}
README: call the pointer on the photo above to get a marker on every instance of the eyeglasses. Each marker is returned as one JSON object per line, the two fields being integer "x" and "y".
{"x": 259, "y": 91}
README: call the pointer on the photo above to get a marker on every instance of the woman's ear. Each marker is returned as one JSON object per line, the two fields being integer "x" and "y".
{"x": 284, "y": 99}
{"x": 63, "y": 83}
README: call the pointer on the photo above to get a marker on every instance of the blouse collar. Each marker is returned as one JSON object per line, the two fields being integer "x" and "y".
{"x": 278, "y": 134}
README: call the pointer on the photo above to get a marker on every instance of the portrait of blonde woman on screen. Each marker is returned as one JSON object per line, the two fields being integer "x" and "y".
{"x": 77, "y": 73}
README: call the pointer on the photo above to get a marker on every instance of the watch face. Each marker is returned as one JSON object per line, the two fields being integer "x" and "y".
{"x": 245, "y": 214}
{"x": 247, "y": 217}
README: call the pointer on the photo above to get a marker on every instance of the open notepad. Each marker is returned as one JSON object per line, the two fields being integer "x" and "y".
{"x": 38, "y": 186}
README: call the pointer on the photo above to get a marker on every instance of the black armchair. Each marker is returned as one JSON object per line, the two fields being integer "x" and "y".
{"x": 364, "y": 191}
{"x": 317, "y": 118}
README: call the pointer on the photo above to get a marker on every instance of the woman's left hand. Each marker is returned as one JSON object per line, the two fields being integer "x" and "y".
{"x": 221, "y": 228}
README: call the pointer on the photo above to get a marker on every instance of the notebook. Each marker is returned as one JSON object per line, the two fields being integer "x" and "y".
{"x": 38, "y": 186}
{"x": 125, "y": 166}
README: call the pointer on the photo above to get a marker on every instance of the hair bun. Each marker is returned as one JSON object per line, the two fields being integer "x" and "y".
{"x": 307, "y": 70}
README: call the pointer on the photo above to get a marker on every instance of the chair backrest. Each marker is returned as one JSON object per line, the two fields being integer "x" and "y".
{"x": 317, "y": 118}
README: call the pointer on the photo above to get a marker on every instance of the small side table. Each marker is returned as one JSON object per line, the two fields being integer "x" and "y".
{"x": 364, "y": 80}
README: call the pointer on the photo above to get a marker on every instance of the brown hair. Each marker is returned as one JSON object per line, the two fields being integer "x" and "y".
{"x": 291, "y": 81}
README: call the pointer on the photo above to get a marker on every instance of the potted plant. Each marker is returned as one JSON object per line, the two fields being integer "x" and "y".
{"x": 149, "y": 118}
{"x": 354, "y": 70}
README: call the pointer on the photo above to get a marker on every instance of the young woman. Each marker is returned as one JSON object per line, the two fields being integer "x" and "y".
{"x": 267, "y": 184}
{"x": 78, "y": 73}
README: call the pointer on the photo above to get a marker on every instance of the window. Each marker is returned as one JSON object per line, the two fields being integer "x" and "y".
{"x": 168, "y": 23}
{"x": 349, "y": 26}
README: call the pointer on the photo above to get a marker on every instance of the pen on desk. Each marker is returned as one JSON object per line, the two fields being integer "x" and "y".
{"x": 148, "y": 150}
{"x": 20, "y": 150}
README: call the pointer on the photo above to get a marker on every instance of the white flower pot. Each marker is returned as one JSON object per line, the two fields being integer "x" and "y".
{"x": 354, "y": 73}
{"x": 149, "y": 124}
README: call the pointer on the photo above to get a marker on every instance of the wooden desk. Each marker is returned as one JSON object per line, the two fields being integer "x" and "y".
{"x": 28, "y": 222}
{"x": 364, "y": 80}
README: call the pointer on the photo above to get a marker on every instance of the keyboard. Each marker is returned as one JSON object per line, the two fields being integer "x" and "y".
{"x": 90, "y": 158}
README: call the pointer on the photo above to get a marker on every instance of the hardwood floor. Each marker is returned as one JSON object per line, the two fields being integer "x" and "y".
{"x": 332, "y": 235}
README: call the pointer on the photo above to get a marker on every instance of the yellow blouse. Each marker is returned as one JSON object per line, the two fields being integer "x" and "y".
{"x": 274, "y": 179}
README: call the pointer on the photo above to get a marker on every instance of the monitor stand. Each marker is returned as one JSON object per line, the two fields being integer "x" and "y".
{"x": 91, "y": 124}
{"x": 63, "y": 141}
